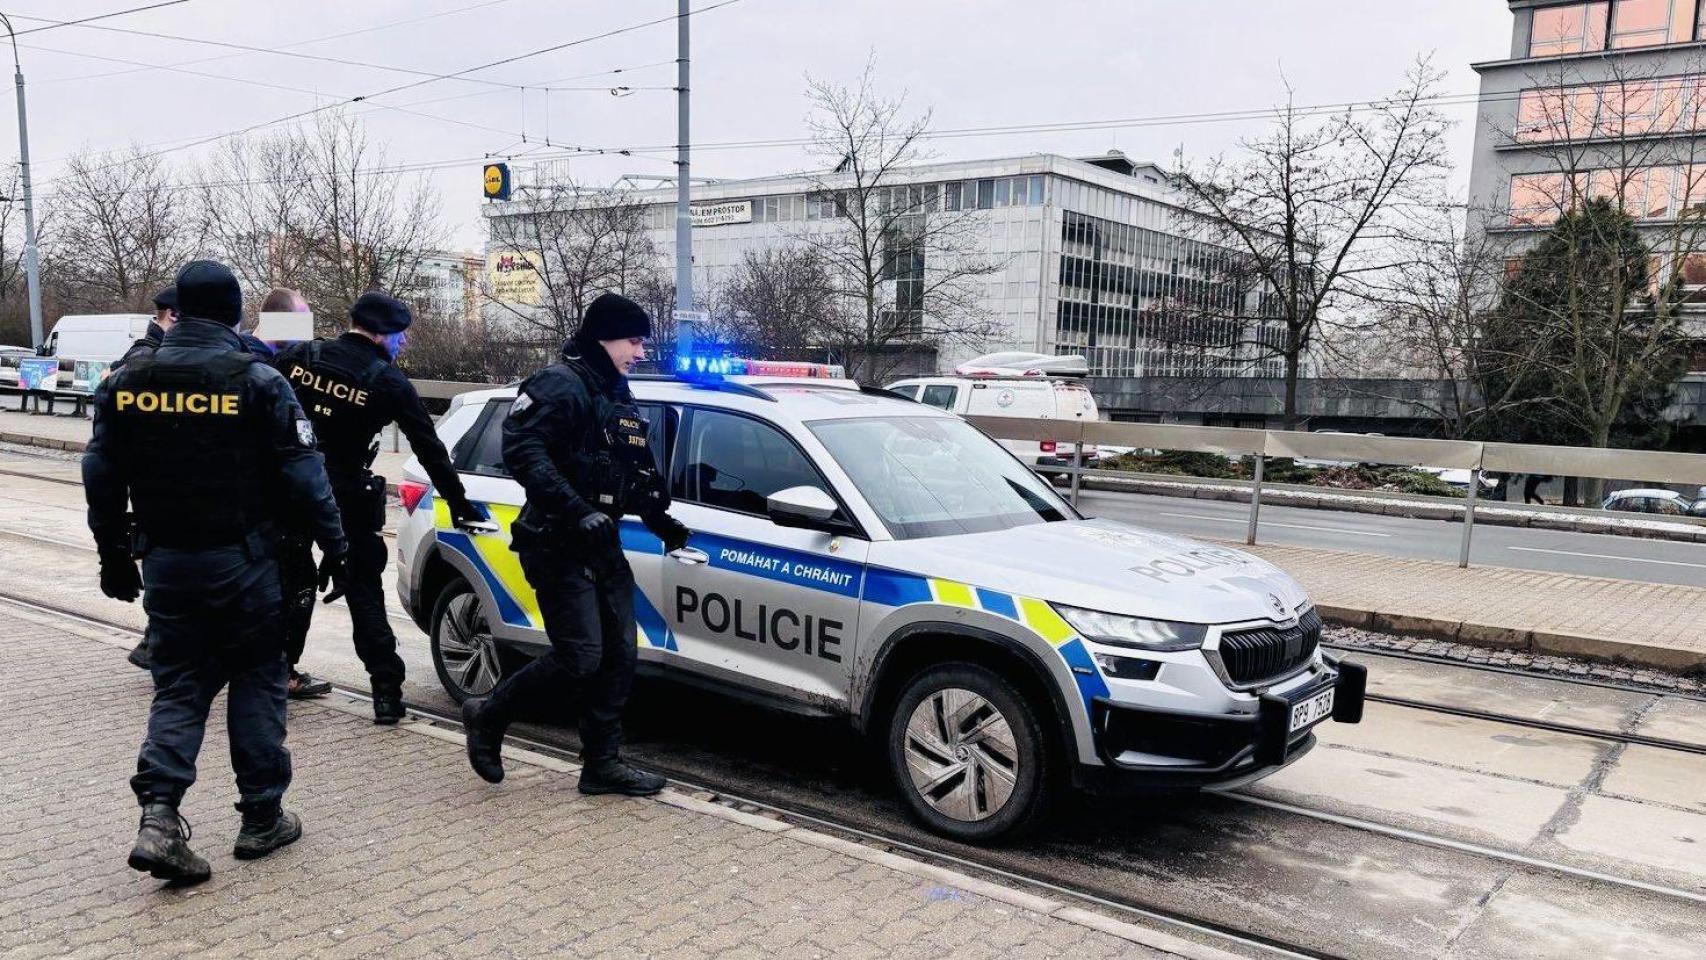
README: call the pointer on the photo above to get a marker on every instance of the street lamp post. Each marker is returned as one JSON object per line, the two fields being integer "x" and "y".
{"x": 32, "y": 264}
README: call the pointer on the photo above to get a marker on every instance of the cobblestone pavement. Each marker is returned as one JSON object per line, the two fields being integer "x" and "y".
{"x": 407, "y": 854}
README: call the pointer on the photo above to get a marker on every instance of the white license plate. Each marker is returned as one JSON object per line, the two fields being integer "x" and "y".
{"x": 1311, "y": 711}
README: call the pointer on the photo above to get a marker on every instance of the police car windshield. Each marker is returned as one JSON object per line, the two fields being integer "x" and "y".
{"x": 935, "y": 477}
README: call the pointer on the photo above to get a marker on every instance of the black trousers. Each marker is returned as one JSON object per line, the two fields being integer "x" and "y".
{"x": 215, "y": 619}
{"x": 375, "y": 643}
{"x": 589, "y": 617}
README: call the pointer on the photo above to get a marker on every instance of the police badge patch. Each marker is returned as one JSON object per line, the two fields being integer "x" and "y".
{"x": 304, "y": 431}
{"x": 521, "y": 403}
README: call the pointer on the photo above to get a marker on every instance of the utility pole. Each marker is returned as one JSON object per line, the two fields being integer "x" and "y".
{"x": 683, "y": 194}
{"x": 32, "y": 263}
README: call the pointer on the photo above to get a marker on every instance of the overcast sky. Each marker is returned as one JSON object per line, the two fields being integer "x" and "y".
{"x": 975, "y": 63}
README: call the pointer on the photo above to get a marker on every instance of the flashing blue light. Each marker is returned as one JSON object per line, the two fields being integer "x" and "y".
{"x": 704, "y": 368}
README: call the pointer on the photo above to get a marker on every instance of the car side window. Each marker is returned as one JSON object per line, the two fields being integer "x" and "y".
{"x": 736, "y": 463}
{"x": 481, "y": 449}
{"x": 940, "y": 395}
{"x": 1666, "y": 507}
{"x": 660, "y": 432}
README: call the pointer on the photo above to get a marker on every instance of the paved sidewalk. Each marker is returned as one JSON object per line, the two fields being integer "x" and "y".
{"x": 1650, "y": 624}
{"x": 407, "y": 854}
{"x": 1647, "y": 624}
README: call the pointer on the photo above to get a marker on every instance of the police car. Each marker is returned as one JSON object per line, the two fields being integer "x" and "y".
{"x": 860, "y": 555}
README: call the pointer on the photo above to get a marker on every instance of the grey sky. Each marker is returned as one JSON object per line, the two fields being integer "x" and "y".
{"x": 975, "y": 64}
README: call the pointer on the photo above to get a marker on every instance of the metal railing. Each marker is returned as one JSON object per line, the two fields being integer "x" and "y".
{"x": 1475, "y": 456}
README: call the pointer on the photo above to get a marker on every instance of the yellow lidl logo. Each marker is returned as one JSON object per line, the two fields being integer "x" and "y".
{"x": 497, "y": 181}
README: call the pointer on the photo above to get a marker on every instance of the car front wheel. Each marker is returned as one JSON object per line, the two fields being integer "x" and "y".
{"x": 968, "y": 755}
{"x": 464, "y": 651}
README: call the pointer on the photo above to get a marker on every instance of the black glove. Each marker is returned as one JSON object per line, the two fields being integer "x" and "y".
{"x": 599, "y": 528}
{"x": 334, "y": 574}
{"x": 463, "y": 511}
{"x": 119, "y": 577}
{"x": 674, "y": 533}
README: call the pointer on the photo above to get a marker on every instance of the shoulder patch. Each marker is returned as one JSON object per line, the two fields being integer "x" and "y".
{"x": 304, "y": 432}
{"x": 522, "y": 402}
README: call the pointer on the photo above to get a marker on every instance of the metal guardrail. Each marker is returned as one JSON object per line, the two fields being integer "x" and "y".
{"x": 1475, "y": 456}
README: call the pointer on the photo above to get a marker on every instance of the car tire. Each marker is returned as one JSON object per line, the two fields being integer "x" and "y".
{"x": 464, "y": 651}
{"x": 985, "y": 775}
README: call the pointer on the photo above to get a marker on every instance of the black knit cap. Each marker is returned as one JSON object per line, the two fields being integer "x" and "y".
{"x": 381, "y": 313}
{"x": 209, "y": 291}
{"x": 613, "y": 317}
{"x": 166, "y": 299}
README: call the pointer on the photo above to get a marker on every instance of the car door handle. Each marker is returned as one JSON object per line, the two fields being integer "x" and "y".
{"x": 690, "y": 555}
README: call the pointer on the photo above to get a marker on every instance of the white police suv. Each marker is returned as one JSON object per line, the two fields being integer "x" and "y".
{"x": 860, "y": 555}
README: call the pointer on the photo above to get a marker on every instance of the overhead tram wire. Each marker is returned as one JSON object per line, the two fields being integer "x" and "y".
{"x": 56, "y": 24}
{"x": 297, "y": 43}
{"x": 303, "y": 114}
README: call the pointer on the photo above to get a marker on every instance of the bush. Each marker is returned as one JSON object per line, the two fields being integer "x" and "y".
{"x": 1178, "y": 463}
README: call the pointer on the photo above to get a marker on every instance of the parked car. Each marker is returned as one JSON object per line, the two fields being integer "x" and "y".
{"x": 1654, "y": 500}
{"x": 1021, "y": 385}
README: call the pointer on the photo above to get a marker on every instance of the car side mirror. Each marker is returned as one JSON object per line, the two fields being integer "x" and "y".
{"x": 805, "y": 507}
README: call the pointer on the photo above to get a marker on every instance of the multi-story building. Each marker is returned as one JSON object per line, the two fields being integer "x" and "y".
{"x": 1092, "y": 256}
{"x": 1596, "y": 99}
{"x": 450, "y": 281}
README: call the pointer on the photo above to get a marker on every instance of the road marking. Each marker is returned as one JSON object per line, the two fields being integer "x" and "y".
{"x": 1272, "y": 523}
{"x": 1608, "y": 556}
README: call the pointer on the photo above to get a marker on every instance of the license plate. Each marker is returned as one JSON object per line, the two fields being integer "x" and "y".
{"x": 1311, "y": 711}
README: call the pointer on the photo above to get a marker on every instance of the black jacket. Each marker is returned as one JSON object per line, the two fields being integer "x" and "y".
{"x": 146, "y": 346}
{"x": 557, "y": 424}
{"x": 290, "y": 485}
{"x": 347, "y": 428}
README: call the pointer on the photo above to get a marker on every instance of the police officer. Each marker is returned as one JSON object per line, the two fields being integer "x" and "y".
{"x": 210, "y": 447}
{"x": 351, "y": 390}
{"x": 577, "y": 444}
{"x": 165, "y": 314}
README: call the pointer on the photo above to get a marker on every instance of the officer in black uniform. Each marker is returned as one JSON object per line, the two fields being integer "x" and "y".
{"x": 577, "y": 444}
{"x": 210, "y": 447}
{"x": 165, "y": 314}
{"x": 351, "y": 391}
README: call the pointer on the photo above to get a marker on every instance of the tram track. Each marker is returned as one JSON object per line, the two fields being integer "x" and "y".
{"x": 944, "y": 853}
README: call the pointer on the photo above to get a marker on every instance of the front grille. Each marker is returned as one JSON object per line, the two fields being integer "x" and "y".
{"x": 1253, "y": 656}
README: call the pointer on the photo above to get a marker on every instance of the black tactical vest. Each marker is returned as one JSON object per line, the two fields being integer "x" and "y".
{"x": 337, "y": 392}
{"x": 192, "y": 449}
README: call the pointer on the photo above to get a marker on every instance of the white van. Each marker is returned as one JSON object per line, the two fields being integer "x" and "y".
{"x": 1029, "y": 397}
{"x": 103, "y": 337}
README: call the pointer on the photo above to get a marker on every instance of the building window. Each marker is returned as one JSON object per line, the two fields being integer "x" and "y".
{"x": 1573, "y": 28}
{"x": 985, "y": 194}
{"x": 951, "y": 196}
{"x": 1538, "y": 199}
{"x": 1640, "y": 23}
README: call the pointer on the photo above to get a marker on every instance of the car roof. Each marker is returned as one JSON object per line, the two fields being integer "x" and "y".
{"x": 773, "y": 398}
{"x": 1646, "y": 492}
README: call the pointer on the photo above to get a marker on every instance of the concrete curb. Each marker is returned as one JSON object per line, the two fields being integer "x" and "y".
{"x": 1484, "y": 514}
{"x": 1581, "y": 646}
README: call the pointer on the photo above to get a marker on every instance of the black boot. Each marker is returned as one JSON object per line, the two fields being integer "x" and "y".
{"x": 162, "y": 847}
{"x": 387, "y": 703}
{"x": 485, "y": 739}
{"x": 617, "y": 776}
{"x": 142, "y": 655}
{"x": 306, "y": 686}
{"x": 265, "y": 831}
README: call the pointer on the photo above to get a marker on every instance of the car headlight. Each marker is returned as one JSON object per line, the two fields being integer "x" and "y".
{"x": 1124, "y": 631}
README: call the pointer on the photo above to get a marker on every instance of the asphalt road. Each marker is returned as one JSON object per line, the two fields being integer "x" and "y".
{"x": 1592, "y": 554}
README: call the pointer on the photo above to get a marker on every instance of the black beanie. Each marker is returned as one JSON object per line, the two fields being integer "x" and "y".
{"x": 613, "y": 317}
{"x": 209, "y": 291}
{"x": 166, "y": 299}
{"x": 380, "y": 313}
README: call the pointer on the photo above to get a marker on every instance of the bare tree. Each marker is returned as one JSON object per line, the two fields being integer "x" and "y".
{"x": 908, "y": 266}
{"x": 362, "y": 231}
{"x": 14, "y": 293}
{"x": 582, "y": 242}
{"x": 1308, "y": 210}
{"x": 781, "y": 302}
{"x": 124, "y": 231}
{"x": 256, "y": 211}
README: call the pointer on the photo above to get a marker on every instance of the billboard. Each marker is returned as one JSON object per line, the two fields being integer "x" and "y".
{"x": 38, "y": 373}
{"x": 512, "y": 276}
{"x": 721, "y": 212}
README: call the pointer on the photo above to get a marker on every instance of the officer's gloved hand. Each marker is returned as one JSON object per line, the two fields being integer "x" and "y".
{"x": 674, "y": 533}
{"x": 463, "y": 512}
{"x": 599, "y": 528}
{"x": 119, "y": 576}
{"x": 334, "y": 574}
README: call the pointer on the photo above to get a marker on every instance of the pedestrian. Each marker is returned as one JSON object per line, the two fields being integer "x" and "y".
{"x": 352, "y": 390}
{"x": 211, "y": 449}
{"x": 165, "y": 314}
{"x": 1531, "y": 488}
{"x": 297, "y": 573}
{"x": 576, "y": 442}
